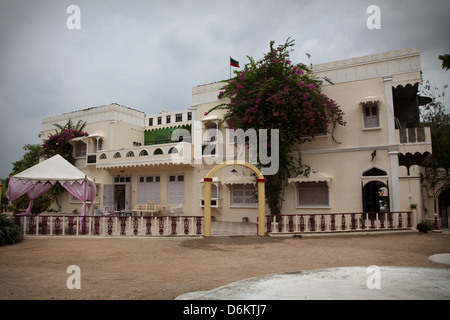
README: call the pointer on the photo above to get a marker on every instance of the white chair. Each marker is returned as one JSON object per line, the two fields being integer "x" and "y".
{"x": 176, "y": 210}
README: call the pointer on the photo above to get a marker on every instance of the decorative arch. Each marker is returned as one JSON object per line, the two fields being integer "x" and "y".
{"x": 158, "y": 151}
{"x": 374, "y": 172}
{"x": 417, "y": 158}
{"x": 261, "y": 195}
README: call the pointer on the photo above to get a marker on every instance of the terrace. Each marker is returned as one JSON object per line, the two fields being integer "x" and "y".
{"x": 139, "y": 156}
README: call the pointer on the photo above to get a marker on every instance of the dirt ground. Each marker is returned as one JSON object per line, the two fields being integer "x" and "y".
{"x": 156, "y": 268}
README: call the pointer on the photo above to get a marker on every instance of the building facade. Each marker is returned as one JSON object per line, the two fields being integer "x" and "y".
{"x": 135, "y": 158}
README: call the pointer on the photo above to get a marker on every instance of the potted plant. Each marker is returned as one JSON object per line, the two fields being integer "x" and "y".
{"x": 423, "y": 227}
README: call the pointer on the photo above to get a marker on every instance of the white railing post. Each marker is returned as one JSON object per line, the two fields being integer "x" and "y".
{"x": 37, "y": 224}
{"x": 24, "y": 225}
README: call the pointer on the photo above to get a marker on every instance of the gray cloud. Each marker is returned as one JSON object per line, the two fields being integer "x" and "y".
{"x": 149, "y": 54}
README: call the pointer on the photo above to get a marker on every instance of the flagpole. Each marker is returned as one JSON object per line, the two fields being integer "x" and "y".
{"x": 230, "y": 66}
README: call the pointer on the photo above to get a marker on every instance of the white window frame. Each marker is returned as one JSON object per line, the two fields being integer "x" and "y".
{"x": 244, "y": 204}
{"x": 371, "y": 107}
{"x": 80, "y": 149}
{"x": 144, "y": 179}
{"x": 215, "y": 194}
{"x": 169, "y": 191}
{"x": 311, "y": 206}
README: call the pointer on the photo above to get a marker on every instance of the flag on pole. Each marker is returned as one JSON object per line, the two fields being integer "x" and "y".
{"x": 234, "y": 63}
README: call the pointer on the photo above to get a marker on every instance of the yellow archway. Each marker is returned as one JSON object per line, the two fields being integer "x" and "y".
{"x": 261, "y": 196}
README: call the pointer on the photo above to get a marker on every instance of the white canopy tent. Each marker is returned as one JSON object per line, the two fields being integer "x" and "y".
{"x": 38, "y": 179}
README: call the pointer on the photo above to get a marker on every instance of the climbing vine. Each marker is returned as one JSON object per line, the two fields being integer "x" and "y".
{"x": 275, "y": 93}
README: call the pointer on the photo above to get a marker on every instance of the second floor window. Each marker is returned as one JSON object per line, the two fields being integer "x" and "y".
{"x": 371, "y": 116}
{"x": 178, "y": 117}
{"x": 80, "y": 149}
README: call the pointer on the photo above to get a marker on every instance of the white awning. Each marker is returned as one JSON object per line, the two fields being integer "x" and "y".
{"x": 370, "y": 99}
{"x": 312, "y": 177}
{"x": 210, "y": 118}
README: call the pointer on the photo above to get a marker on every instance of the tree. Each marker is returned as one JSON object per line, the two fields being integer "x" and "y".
{"x": 29, "y": 159}
{"x": 274, "y": 93}
{"x": 445, "y": 61}
{"x": 435, "y": 116}
{"x": 59, "y": 143}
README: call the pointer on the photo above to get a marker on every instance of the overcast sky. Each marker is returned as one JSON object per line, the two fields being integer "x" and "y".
{"x": 148, "y": 55}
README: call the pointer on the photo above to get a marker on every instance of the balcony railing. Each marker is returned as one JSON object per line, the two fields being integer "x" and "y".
{"x": 338, "y": 222}
{"x": 413, "y": 135}
{"x": 112, "y": 225}
{"x": 172, "y": 153}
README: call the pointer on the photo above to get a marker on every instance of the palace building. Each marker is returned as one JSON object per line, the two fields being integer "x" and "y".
{"x": 136, "y": 158}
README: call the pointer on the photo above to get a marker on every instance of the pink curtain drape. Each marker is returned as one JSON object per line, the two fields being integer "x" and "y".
{"x": 38, "y": 190}
{"x": 84, "y": 191}
{"x": 17, "y": 188}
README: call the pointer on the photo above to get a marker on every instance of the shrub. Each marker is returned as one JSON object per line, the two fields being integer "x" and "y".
{"x": 424, "y": 227}
{"x": 10, "y": 231}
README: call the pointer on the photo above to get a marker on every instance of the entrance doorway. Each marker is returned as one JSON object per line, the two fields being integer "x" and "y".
{"x": 119, "y": 196}
{"x": 444, "y": 207}
{"x": 375, "y": 197}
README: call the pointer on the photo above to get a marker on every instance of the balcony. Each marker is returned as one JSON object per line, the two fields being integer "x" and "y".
{"x": 412, "y": 140}
{"x": 414, "y": 146}
{"x": 141, "y": 156}
{"x": 413, "y": 135}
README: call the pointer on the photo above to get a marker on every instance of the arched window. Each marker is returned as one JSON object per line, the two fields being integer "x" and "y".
{"x": 130, "y": 154}
{"x": 117, "y": 155}
{"x": 374, "y": 172}
{"x": 143, "y": 153}
{"x": 103, "y": 156}
{"x": 173, "y": 150}
{"x": 158, "y": 152}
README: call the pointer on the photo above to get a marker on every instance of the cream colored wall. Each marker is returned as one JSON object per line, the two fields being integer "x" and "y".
{"x": 348, "y": 95}
{"x": 344, "y": 162}
{"x": 125, "y": 134}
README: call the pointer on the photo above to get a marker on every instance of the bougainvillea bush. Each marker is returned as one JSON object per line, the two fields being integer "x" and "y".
{"x": 59, "y": 143}
{"x": 275, "y": 93}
